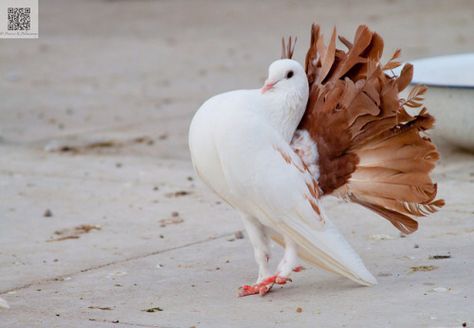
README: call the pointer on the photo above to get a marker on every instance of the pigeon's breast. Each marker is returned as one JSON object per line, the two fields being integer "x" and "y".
{"x": 205, "y": 127}
{"x": 204, "y": 154}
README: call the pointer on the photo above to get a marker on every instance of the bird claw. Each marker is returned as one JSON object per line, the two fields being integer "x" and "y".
{"x": 261, "y": 288}
{"x": 282, "y": 280}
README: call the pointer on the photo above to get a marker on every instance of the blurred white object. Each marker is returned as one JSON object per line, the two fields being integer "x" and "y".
{"x": 454, "y": 71}
{"x": 4, "y": 304}
{"x": 450, "y": 97}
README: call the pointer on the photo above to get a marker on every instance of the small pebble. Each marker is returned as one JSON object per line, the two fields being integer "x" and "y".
{"x": 239, "y": 235}
{"x": 299, "y": 310}
{"x": 48, "y": 213}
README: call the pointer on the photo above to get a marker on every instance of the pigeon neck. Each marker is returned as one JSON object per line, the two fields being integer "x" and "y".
{"x": 285, "y": 112}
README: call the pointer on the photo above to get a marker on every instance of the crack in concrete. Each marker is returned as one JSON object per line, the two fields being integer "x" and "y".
{"x": 132, "y": 324}
{"x": 100, "y": 266}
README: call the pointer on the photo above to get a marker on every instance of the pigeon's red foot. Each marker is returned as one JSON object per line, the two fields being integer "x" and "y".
{"x": 282, "y": 280}
{"x": 262, "y": 288}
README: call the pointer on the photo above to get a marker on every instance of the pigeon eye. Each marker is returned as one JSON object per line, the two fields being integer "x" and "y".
{"x": 289, "y": 74}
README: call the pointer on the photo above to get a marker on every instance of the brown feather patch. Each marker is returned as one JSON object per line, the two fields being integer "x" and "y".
{"x": 285, "y": 156}
{"x": 371, "y": 150}
{"x": 315, "y": 206}
{"x": 313, "y": 187}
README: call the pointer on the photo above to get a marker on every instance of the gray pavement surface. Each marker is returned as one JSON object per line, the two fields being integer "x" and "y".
{"x": 93, "y": 123}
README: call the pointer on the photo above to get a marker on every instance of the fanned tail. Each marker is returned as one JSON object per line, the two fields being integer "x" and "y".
{"x": 392, "y": 177}
{"x": 371, "y": 150}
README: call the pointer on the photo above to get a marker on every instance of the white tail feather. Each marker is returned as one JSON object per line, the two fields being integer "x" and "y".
{"x": 329, "y": 250}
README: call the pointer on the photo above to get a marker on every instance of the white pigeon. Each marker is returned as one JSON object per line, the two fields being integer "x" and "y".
{"x": 240, "y": 148}
{"x": 337, "y": 128}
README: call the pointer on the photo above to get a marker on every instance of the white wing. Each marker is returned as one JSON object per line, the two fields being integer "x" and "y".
{"x": 269, "y": 181}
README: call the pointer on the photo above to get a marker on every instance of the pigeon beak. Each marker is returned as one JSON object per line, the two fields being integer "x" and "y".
{"x": 267, "y": 86}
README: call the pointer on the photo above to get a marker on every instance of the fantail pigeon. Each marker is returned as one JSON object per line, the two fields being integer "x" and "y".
{"x": 336, "y": 127}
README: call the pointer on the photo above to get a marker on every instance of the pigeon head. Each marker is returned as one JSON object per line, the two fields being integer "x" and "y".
{"x": 285, "y": 75}
{"x": 286, "y": 91}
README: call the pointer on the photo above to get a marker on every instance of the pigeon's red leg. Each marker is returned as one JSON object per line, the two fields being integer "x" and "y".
{"x": 260, "y": 288}
{"x": 282, "y": 280}
{"x": 285, "y": 268}
{"x": 289, "y": 262}
{"x": 260, "y": 242}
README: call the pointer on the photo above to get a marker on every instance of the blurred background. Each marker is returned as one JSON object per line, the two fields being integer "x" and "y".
{"x": 99, "y": 206}
{"x": 133, "y": 68}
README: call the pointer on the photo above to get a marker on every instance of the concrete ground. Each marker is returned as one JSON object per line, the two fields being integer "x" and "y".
{"x": 101, "y": 216}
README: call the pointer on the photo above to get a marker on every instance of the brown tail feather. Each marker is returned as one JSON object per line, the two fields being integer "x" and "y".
{"x": 392, "y": 177}
{"x": 402, "y": 222}
{"x": 371, "y": 150}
